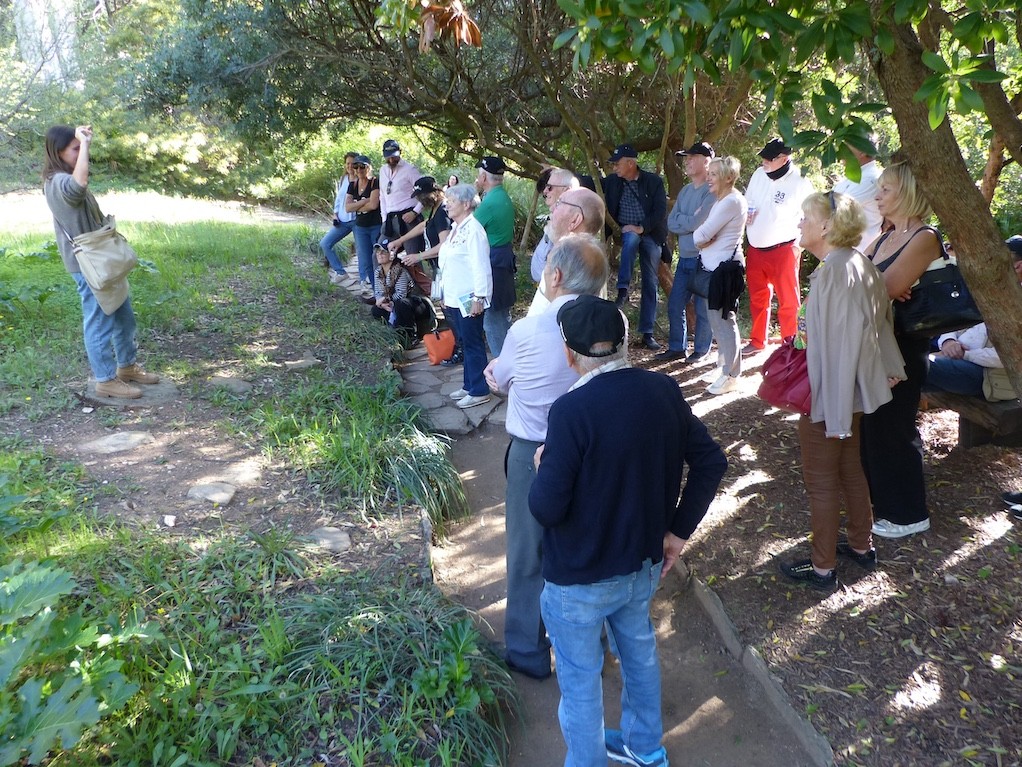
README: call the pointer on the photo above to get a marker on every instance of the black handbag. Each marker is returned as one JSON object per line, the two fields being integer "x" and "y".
{"x": 940, "y": 302}
{"x": 699, "y": 280}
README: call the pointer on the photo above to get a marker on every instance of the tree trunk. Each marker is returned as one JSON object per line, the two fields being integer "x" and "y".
{"x": 943, "y": 177}
{"x": 992, "y": 171}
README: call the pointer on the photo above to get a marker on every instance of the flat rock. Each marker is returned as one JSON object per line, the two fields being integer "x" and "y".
{"x": 308, "y": 360}
{"x": 233, "y": 385}
{"x": 499, "y": 414}
{"x": 219, "y": 493}
{"x": 431, "y": 400}
{"x": 476, "y": 415}
{"x": 450, "y": 420}
{"x": 152, "y": 394}
{"x": 331, "y": 538}
{"x": 423, "y": 377}
{"x": 118, "y": 442}
{"x": 416, "y": 388}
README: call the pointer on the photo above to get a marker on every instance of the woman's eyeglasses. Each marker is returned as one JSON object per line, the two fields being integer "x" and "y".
{"x": 359, "y": 166}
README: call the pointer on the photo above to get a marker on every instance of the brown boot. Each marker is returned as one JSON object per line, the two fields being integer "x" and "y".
{"x": 135, "y": 374}
{"x": 115, "y": 387}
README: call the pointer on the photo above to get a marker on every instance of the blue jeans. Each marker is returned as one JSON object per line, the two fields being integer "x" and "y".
{"x": 649, "y": 257}
{"x": 331, "y": 238}
{"x": 109, "y": 338}
{"x": 469, "y": 331}
{"x": 574, "y": 617}
{"x": 496, "y": 323}
{"x": 365, "y": 238}
{"x": 680, "y": 294}
{"x": 955, "y": 376}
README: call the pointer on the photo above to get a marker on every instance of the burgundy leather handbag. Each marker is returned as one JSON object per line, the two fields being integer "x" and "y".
{"x": 786, "y": 379}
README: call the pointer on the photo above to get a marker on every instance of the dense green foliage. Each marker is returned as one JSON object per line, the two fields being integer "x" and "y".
{"x": 304, "y": 661}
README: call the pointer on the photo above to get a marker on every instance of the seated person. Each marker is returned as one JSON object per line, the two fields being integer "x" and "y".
{"x": 393, "y": 285}
{"x": 958, "y": 366}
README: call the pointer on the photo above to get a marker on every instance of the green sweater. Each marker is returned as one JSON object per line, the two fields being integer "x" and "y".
{"x": 497, "y": 215}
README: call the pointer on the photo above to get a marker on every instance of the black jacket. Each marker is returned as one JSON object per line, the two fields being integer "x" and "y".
{"x": 652, "y": 197}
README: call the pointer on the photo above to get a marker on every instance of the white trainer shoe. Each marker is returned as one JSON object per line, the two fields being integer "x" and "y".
{"x": 723, "y": 385}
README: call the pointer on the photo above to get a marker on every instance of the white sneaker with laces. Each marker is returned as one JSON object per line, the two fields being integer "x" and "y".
{"x": 459, "y": 394}
{"x": 886, "y": 529}
{"x": 471, "y": 400}
{"x": 723, "y": 385}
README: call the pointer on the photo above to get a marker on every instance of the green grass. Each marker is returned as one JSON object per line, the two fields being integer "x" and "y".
{"x": 249, "y": 646}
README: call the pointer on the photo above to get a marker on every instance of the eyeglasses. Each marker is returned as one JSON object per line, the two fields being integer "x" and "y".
{"x": 359, "y": 166}
{"x": 390, "y": 185}
{"x": 552, "y": 187}
{"x": 565, "y": 202}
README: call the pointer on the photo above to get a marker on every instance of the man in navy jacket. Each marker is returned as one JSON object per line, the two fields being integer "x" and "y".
{"x": 636, "y": 200}
{"x": 608, "y": 495}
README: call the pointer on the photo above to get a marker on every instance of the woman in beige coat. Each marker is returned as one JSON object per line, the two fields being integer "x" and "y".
{"x": 846, "y": 328}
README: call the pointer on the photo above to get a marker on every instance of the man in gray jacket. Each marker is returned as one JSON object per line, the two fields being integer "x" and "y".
{"x": 689, "y": 211}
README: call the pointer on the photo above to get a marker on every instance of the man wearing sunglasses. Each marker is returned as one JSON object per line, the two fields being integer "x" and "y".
{"x": 399, "y": 208}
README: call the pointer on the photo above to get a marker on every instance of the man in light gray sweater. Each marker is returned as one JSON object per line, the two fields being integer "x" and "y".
{"x": 689, "y": 211}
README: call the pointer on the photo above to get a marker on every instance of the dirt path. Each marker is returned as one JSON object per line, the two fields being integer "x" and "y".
{"x": 714, "y": 712}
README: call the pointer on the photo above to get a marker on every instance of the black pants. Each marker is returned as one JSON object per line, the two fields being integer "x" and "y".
{"x": 891, "y": 449}
{"x": 395, "y": 226}
{"x": 405, "y": 318}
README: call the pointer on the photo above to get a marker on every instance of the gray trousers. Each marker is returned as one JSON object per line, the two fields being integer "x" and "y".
{"x": 524, "y": 633}
{"x": 728, "y": 340}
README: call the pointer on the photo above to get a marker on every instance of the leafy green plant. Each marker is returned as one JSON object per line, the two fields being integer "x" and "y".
{"x": 59, "y": 674}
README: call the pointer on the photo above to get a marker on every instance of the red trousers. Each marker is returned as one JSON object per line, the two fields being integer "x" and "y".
{"x": 777, "y": 268}
{"x": 832, "y": 468}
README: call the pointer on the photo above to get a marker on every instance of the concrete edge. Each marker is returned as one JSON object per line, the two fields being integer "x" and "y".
{"x": 815, "y": 744}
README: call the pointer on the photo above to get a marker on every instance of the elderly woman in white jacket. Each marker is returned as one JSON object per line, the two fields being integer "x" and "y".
{"x": 467, "y": 285}
{"x": 846, "y": 327}
{"x": 719, "y": 239}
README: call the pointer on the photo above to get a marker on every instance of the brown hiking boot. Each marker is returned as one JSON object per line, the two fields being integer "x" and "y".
{"x": 135, "y": 374}
{"x": 115, "y": 387}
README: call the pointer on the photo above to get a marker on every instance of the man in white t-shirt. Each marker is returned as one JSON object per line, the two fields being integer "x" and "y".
{"x": 864, "y": 191}
{"x": 775, "y": 195}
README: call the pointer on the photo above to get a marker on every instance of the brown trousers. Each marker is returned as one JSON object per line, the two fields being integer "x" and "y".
{"x": 830, "y": 468}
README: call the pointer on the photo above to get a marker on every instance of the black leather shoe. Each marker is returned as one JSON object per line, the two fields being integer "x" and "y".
{"x": 669, "y": 354}
{"x": 622, "y": 297}
{"x": 1011, "y": 499}
{"x": 650, "y": 343}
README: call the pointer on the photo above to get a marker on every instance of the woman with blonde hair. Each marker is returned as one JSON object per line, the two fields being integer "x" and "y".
{"x": 363, "y": 199}
{"x": 719, "y": 240}
{"x": 845, "y": 325}
{"x": 892, "y": 452}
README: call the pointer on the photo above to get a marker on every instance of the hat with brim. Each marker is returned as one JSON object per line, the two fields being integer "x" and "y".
{"x": 621, "y": 151}
{"x": 1014, "y": 244}
{"x": 391, "y": 148}
{"x": 775, "y": 148}
{"x": 424, "y": 185}
{"x": 361, "y": 160}
{"x": 700, "y": 148}
{"x": 589, "y": 321}
{"x": 492, "y": 164}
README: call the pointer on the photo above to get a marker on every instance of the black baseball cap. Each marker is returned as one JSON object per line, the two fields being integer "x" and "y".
{"x": 361, "y": 160}
{"x": 700, "y": 147}
{"x": 424, "y": 185}
{"x": 591, "y": 320}
{"x": 492, "y": 164}
{"x": 623, "y": 150}
{"x": 1014, "y": 244}
{"x": 774, "y": 148}
{"x": 391, "y": 148}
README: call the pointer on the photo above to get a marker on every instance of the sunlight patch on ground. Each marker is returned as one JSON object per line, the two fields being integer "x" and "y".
{"x": 712, "y": 712}
{"x": 986, "y": 530}
{"x": 921, "y": 691}
{"x": 728, "y": 503}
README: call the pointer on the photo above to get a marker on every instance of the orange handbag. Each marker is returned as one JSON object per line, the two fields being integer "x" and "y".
{"x": 439, "y": 345}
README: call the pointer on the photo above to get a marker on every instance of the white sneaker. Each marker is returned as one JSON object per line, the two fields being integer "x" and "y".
{"x": 886, "y": 529}
{"x": 336, "y": 278}
{"x": 723, "y": 385}
{"x": 470, "y": 400}
{"x": 459, "y": 394}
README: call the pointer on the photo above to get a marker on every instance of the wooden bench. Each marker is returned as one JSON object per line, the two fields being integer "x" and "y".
{"x": 979, "y": 421}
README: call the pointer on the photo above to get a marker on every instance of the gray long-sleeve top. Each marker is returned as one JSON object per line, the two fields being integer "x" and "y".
{"x": 689, "y": 211}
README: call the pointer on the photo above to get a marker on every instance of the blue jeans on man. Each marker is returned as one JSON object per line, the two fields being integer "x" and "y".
{"x": 574, "y": 618}
{"x": 676, "y": 302}
{"x": 109, "y": 338}
{"x": 955, "y": 376}
{"x": 333, "y": 236}
{"x": 649, "y": 258}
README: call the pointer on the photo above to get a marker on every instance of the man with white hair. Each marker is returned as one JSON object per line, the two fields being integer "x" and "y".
{"x": 608, "y": 494}
{"x": 576, "y": 211}
{"x": 559, "y": 181}
{"x": 496, "y": 213}
{"x": 532, "y": 371}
